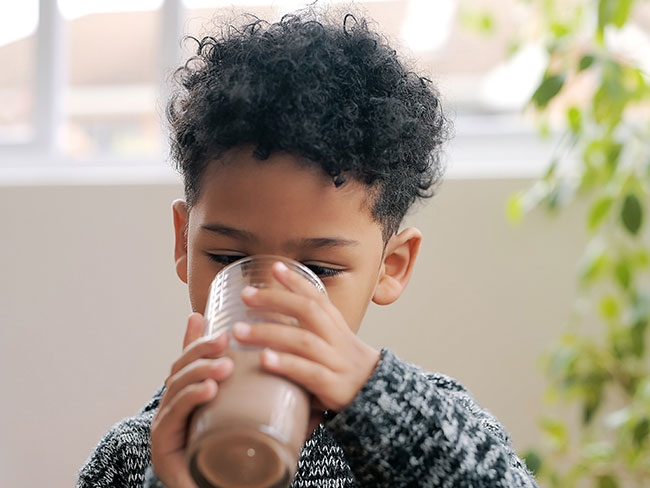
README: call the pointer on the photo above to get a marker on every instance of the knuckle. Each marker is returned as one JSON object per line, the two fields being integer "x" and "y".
{"x": 198, "y": 370}
{"x": 312, "y": 377}
{"x": 212, "y": 347}
{"x": 175, "y": 367}
{"x": 312, "y": 307}
{"x": 304, "y": 343}
{"x": 169, "y": 384}
{"x": 187, "y": 395}
{"x": 216, "y": 365}
{"x": 322, "y": 299}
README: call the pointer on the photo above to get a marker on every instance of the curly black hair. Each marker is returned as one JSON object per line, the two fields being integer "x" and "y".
{"x": 331, "y": 91}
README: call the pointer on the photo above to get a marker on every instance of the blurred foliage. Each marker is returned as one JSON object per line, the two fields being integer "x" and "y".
{"x": 597, "y": 98}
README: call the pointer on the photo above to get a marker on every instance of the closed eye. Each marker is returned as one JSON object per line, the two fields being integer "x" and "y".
{"x": 322, "y": 271}
{"x": 225, "y": 259}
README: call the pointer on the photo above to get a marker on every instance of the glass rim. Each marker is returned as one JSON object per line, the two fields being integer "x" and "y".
{"x": 310, "y": 275}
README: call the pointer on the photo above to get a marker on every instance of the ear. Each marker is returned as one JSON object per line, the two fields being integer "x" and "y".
{"x": 397, "y": 266}
{"x": 180, "y": 211}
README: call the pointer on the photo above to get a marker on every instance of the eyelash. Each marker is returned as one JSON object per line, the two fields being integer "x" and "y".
{"x": 320, "y": 271}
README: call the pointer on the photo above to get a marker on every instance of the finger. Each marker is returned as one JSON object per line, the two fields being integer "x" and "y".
{"x": 286, "y": 338}
{"x": 295, "y": 282}
{"x": 194, "y": 329}
{"x": 196, "y": 372}
{"x": 315, "y": 377}
{"x": 201, "y": 348}
{"x": 315, "y": 419}
{"x": 172, "y": 419}
{"x": 306, "y": 310}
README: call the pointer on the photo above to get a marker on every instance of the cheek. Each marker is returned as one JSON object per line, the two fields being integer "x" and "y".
{"x": 199, "y": 277}
{"x": 352, "y": 301}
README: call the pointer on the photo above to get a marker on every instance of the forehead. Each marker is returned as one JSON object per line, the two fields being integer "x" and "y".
{"x": 283, "y": 195}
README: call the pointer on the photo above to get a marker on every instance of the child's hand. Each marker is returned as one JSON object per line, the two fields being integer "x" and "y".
{"x": 322, "y": 354}
{"x": 193, "y": 381}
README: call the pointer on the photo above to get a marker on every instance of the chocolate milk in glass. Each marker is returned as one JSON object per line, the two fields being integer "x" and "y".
{"x": 251, "y": 434}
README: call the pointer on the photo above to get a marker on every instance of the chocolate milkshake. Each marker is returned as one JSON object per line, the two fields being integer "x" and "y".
{"x": 251, "y": 433}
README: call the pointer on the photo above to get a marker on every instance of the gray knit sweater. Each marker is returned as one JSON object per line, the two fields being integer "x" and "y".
{"x": 405, "y": 428}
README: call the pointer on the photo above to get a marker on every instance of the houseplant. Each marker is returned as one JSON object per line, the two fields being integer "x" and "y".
{"x": 595, "y": 94}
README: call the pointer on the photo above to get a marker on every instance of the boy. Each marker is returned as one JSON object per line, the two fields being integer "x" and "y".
{"x": 310, "y": 140}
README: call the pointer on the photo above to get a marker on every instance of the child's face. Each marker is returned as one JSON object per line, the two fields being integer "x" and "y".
{"x": 281, "y": 207}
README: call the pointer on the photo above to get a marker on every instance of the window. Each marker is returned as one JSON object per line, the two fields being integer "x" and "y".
{"x": 112, "y": 80}
{"x": 86, "y": 81}
{"x": 18, "y": 73}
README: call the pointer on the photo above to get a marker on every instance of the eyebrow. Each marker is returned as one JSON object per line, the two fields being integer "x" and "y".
{"x": 228, "y": 231}
{"x": 308, "y": 242}
{"x": 324, "y": 242}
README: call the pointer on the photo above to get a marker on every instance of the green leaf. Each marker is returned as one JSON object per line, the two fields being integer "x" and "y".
{"x": 549, "y": 87}
{"x": 601, "y": 157}
{"x": 556, "y": 432}
{"x": 605, "y": 13}
{"x": 641, "y": 258}
{"x": 550, "y": 170}
{"x": 622, "y": 12}
{"x": 643, "y": 390}
{"x": 623, "y": 274}
{"x": 591, "y": 405}
{"x": 559, "y": 30}
{"x": 641, "y": 310}
{"x": 592, "y": 265}
{"x": 598, "y": 212}
{"x": 634, "y": 82}
{"x": 612, "y": 96}
{"x": 632, "y": 214}
{"x": 607, "y": 481}
{"x": 614, "y": 12}
{"x": 574, "y": 116}
{"x": 637, "y": 339}
{"x": 640, "y": 318}
{"x": 533, "y": 461}
{"x": 559, "y": 196}
{"x": 481, "y": 22}
{"x": 586, "y": 61}
{"x": 514, "y": 208}
{"x": 641, "y": 431}
{"x": 609, "y": 308}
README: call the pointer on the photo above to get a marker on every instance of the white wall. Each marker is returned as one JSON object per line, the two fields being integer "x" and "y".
{"x": 92, "y": 315}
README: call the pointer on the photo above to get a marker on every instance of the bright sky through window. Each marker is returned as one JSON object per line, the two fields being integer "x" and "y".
{"x": 17, "y": 20}
{"x": 72, "y": 9}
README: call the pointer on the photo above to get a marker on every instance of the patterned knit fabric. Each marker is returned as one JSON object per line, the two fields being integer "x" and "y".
{"x": 405, "y": 428}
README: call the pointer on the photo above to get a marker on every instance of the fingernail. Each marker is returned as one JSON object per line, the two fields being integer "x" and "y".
{"x": 249, "y": 291}
{"x": 222, "y": 362}
{"x": 241, "y": 329}
{"x": 210, "y": 385}
{"x": 281, "y": 267}
{"x": 271, "y": 358}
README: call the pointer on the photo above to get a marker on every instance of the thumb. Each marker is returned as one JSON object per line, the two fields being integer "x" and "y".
{"x": 194, "y": 329}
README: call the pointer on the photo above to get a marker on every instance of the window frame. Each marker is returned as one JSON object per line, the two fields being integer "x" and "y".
{"x": 476, "y": 151}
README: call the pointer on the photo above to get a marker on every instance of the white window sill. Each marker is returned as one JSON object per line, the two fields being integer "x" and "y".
{"x": 484, "y": 147}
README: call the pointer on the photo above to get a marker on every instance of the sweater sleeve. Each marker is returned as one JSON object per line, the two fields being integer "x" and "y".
{"x": 410, "y": 428}
{"x": 123, "y": 454}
